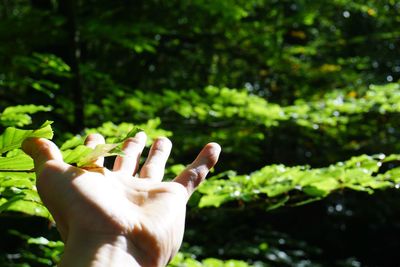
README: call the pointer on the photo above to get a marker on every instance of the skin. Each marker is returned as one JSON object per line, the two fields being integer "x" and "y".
{"x": 118, "y": 217}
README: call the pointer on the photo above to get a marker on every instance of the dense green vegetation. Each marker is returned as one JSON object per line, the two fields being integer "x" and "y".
{"x": 302, "y": 95}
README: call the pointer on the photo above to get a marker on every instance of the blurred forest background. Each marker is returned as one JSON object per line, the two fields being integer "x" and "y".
{"x": 303, "y": 96}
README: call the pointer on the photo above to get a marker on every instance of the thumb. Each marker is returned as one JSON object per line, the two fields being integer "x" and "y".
{"x": 41, "y": 150}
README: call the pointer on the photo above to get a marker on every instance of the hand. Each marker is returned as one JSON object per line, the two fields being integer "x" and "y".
{"x": 121, "y": 217}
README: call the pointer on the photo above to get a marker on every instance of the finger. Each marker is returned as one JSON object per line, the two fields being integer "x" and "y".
{"x": 92, "y": 140}
{"x": 41, "y": 151}
{"x": 197, "y": 171}
{"x": 132, "y": 148}
{"x": 154, "y": 166}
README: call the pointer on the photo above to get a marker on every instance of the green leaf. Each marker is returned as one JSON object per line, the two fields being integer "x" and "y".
{"x": 74, "y": 155}
{"x": 131, "y": 133}
{"x": 392, "y": 157}
{"x": 12, "y": 138}
{"x": 19, "y": 204}
{"x": 213, "y": 200}
{"x": 20, "y": 115}
{"x": 15, "y": 175}
{"x": 85, "y": 156}
{"x": 277, "y": 188}
{"x": 30, "y": 109}
{"x": 44, "y": 241}
{"x": 16, "y": 180}
{"x": 20, "y": 162}
{"x": 299, "y": 185}
{"x": 321, "y": 188}
{"x": 73, "y": 142}
{"x": 211, "y": 262}
{"x": 99, "y": 151}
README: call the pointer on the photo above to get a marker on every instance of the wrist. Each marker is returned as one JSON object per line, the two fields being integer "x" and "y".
{"x": 83, "y": 250}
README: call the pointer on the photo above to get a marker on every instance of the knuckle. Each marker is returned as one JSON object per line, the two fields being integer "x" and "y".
{"x": 158, "y": 149}
{"x": 193, "y": 174}
{"x": 132, "y": 140}
{"x": 199, "y": 171}
{"x": 132, "y": 143}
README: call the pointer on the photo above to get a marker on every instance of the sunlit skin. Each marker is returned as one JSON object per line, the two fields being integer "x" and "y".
{"x": 123, "y": 216}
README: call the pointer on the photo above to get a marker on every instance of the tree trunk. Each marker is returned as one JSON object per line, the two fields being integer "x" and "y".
{"x": 68, "y": 8}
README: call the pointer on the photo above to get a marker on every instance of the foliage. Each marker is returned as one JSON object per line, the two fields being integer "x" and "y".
{"x": 181, "y": 261}
{"x": 12, "y": 138}
{"x": 230, "y": 114}
{"x": 19, "y": 115}
{"x": 17, "y": 191}
{"x": 277, "y": 185}
{"x": 36, "y": 251}
{"x": 302, "y": 95}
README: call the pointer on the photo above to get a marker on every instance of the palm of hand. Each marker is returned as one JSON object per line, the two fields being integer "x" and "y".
{"x": 150, "y": 213}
